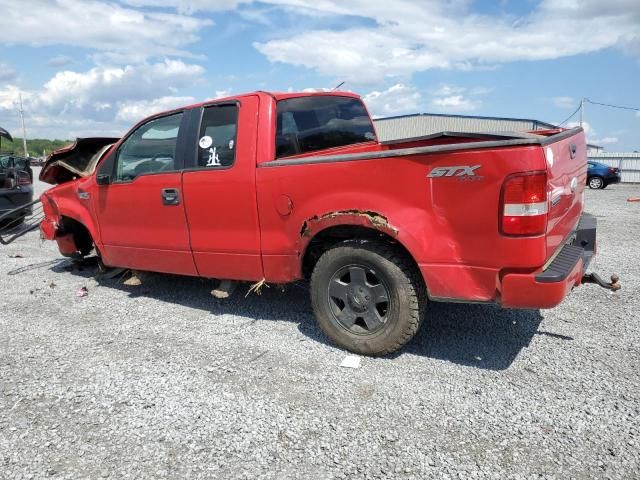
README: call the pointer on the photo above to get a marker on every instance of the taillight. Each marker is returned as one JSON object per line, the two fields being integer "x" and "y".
{"x": 613, "y": 170}
{"x": 524, "y": 204}
{"x": 24, "y": 178}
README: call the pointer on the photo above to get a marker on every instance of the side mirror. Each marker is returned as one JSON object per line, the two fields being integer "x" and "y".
{"x": 103, "y": 179}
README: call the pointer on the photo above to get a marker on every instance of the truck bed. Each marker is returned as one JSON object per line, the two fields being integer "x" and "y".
{"x": 449, "y": 224}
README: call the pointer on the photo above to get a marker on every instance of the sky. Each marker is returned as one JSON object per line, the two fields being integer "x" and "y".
{"x": 95, "y": 68}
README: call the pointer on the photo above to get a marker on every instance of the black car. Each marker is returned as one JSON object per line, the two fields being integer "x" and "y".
{"x": 16, "y": 188}
{"x": 600, "y": 175}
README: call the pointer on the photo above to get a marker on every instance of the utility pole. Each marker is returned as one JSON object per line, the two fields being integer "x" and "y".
{"x": 581, "y": 111}
{"x": 24, "y": 130}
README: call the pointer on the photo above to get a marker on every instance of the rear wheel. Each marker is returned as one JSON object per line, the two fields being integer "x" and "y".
{"x": 596, "y": 183}
{"x": 367, "y": 297}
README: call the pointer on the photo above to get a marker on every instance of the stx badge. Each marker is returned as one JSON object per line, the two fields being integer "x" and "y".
{"x": 459, "y": 171}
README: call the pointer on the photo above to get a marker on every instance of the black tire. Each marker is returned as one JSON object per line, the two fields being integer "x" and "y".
{"x": 352, "y": 311}
{"x": 596, "y": 183}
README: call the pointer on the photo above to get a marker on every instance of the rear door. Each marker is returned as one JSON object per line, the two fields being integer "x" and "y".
{"x": 220, "y": 192}
{"x": 141, "y": 211}
{"x": 567, "y": 175}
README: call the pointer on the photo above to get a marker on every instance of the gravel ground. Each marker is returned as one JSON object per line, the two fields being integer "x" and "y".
{"x": 163, "y": 381}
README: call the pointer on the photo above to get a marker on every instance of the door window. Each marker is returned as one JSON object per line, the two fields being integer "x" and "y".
{"x": 217, "y": 138}
{"x": 149, "y": 149}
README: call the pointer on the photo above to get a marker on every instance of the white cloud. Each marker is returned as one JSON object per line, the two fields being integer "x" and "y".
{"x": 222, "y": 93}
{"x": 445, "y": 90}
{"x": 417, "y": 35}
{"x": 7, "y": 73}
{"x": 111, "y": 98}
{"x": 189, "y": 6}
{"x": 604, "y": 140}
{"x": 478, "y": 91}
{"x": 586, "y": 126}
{"x": 98, "y": 25}
{"x": 397, "y": 99}
{"x": 405, "y": 98}
{"x": 564, "y": 102}
{"x": 592, "y": 135}
{"x": 412, "y": 36}
{"x": 8, "y": 98}
{"x": 70, "y": 89}
{"x": 453, "y": 98}
{"x": 59, "y": 61}
{"x": 131, "y": 112}
{"x": 455, "y": 103}
{"x": 359, "y": 55}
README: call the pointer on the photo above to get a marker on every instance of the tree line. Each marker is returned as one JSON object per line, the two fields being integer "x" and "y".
{"x": 35, "y": 146}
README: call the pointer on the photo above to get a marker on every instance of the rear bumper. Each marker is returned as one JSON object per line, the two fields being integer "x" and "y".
{"x": 613, "y": 179}
{"x": 549, "y": 286}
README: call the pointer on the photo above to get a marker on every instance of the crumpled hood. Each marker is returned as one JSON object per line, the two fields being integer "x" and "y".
{"x": 76, "y": 160}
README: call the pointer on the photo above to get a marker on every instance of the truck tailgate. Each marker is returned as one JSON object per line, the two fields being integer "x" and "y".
{"x": 567, "y": 172}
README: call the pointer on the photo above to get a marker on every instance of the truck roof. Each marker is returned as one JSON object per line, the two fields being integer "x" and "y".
{"x": 275, "y": 95}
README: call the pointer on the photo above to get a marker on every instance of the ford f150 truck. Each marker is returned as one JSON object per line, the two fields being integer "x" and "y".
{"x": 278, "y": 187}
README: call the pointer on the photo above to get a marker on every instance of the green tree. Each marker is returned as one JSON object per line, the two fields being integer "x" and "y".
{"x": 35, "y": 146}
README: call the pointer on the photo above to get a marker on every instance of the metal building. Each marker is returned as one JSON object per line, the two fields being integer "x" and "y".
{"x": 591, "y": 148}
{"x": 417, "y": 125}
{"x": 627, "y": 162}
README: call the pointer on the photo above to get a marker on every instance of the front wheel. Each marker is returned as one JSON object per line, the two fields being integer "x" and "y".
{"x": 367, "y": 297}
{"x": 596, "y": 183}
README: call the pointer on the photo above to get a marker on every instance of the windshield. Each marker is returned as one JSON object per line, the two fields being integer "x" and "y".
{"x": 11, "y": 161}
{"x": 308, "y": 124}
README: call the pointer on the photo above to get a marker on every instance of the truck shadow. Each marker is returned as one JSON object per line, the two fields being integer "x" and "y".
{"x": 480, "y": 336}
{"x": 475, "y": 335}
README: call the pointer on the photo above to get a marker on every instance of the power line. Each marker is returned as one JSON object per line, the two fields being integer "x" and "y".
{"x": 570, "y": 116}
{"x": 586, "y": 100}
{"x": 612, "y": 106}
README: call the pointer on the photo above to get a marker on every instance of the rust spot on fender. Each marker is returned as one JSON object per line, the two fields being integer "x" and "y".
{"x": 373, "y": 219}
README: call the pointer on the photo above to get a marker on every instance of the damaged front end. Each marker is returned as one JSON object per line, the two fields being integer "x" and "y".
{"x": 76, "y": 160}
{"x": 72, "y": 237}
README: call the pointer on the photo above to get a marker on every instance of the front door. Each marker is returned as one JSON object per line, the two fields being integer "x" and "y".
{"x": 141, "y": 210}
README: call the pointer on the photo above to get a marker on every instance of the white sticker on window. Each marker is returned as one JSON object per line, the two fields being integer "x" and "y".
{"x": 231, "y": 144}
{"x": 205, "y": 142}
{"x": 214, "y": 158}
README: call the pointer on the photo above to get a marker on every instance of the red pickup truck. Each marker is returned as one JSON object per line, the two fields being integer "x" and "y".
{"x": 278, "y": 187}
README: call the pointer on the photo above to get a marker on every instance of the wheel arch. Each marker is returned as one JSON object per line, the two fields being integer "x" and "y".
{"x": 329, "y": 235}
{"x": 82, "y": 237}
{"x": 67, "y": 206}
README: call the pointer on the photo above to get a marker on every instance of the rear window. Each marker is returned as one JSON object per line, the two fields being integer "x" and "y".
{"x": 309, "y": 124}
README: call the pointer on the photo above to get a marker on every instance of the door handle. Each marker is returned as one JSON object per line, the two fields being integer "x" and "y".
{"x": 170, "y": 196}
